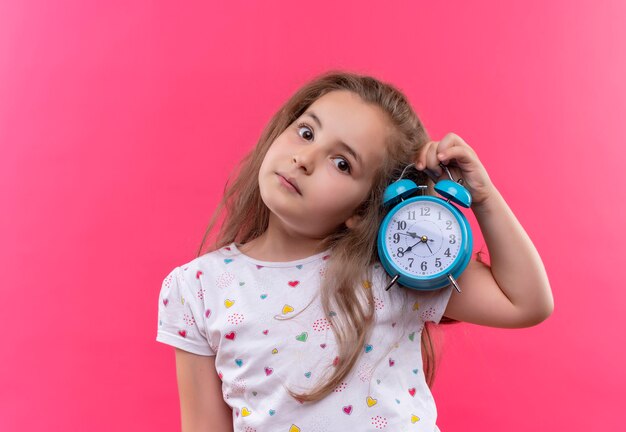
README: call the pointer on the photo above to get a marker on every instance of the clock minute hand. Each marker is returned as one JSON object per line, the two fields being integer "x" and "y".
{"x": 423, "y": 239}
{"x": 410, "y": 248}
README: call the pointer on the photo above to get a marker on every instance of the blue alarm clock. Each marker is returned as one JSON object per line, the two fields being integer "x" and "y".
{"x": 425, "y": 242}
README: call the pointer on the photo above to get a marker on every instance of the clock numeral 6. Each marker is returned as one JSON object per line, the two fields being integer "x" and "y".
{"x": 424, "y": 265}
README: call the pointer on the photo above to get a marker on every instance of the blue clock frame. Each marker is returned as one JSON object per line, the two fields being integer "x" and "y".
{"x": 398, "y": 196}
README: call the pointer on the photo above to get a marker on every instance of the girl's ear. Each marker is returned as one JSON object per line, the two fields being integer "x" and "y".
{"x": 353, "y": 220}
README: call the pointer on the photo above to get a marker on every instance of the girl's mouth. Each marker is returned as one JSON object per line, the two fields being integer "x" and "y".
{"x": 289, "y": 183}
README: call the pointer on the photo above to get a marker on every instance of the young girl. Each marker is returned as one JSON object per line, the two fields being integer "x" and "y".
{"x": 285, "y": 324}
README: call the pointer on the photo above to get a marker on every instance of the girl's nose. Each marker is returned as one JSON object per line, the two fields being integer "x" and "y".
{"x": 304, "y": 160}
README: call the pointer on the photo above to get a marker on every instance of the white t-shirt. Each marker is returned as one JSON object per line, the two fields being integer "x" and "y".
{"x": 228, "y": 305}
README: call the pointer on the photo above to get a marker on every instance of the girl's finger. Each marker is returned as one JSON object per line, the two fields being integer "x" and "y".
{"x": 431, "y": 161}
{"x": 421, "y": 158}
{"x": 448, "y": 142}
{"x": 461, "y": 154}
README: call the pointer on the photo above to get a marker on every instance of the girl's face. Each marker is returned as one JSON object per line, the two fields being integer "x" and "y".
{"x": 317, "y": 172}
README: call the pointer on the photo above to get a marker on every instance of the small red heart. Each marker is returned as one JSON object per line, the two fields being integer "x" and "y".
{"x": 207, "y": 313}
{"x": 325, "y": 257}
{"x": 259, "y": 267}
{"x": 198, "y": 273}
{"x": 393, "y": 324}
{"x": 336, "y": 361}
{"x": 323, "y": 345}
{"x": 412, "y": 391}
{"x": 220, "y": 375}
{"x": 227, "y": 248}
{"x": 268, "y": 371}
{"x": 347, "y": 409}
{"x": 230, "y": 336}
{"x": 293, "y": 283}
{"x": 165, "y": 301}
{"x": 391, "y": 362}
{"x": 183, "y": 333}
{"x": 265, "y": 332}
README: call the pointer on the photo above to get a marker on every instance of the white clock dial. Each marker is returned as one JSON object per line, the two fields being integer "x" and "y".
{"x": 423, "y": 238}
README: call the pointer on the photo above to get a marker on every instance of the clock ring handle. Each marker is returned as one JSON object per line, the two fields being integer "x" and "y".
{"x": 445, "y": 168}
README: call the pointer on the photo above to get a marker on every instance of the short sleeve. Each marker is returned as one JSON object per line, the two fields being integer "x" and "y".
{"x": 433, "y": 304}
{"x": 180, "y": 314}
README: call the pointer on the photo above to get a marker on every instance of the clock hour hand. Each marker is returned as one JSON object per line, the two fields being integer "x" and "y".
{"x": 415, "y": 235}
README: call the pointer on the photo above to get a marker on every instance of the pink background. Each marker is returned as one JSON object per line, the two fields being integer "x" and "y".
{"x": 119, "y": 123}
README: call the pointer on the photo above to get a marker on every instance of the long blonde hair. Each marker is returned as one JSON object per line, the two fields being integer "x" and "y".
{"x": 245, "y": 216}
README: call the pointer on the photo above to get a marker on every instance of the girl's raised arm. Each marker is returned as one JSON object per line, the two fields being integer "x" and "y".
{"x": 514, "y": 291}
{"x": 202, "y": 406}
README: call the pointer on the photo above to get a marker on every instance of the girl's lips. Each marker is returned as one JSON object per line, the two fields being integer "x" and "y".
{"x": 289, "y": 183}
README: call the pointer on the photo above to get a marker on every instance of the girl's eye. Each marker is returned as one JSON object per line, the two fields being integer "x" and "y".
{"x": 342, "y": 164}
{"x": 310, "y": 131}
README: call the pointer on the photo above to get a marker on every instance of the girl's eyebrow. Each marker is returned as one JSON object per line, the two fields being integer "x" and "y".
{"x": 342, "y": 144}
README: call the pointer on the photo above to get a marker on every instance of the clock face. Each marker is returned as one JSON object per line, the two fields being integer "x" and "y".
{"x": 423, "y": 238}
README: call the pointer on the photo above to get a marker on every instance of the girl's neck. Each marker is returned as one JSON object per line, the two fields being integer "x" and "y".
{"x": 281, "y": 245}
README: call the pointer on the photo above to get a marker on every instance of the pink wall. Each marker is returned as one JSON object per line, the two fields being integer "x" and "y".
{"x": 120, "y": 121}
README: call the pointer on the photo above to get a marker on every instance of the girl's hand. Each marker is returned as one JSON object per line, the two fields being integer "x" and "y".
{"x": 462, "y": 162}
